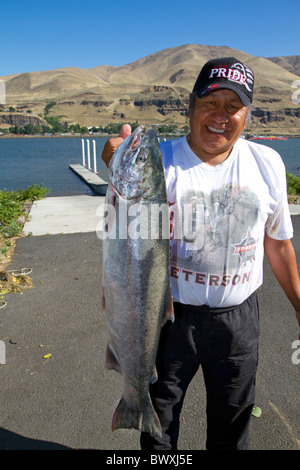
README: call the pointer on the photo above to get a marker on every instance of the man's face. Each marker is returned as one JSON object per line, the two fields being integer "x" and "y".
{"x": 216, "y": 122}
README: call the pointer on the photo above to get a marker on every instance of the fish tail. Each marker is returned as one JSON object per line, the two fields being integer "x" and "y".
{"x": 145, "y": 420}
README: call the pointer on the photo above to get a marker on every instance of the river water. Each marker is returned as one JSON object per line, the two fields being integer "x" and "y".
{"x": 45, "y": 161}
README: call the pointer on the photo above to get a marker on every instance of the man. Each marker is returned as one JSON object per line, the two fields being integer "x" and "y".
{"x": 228, "y": 206}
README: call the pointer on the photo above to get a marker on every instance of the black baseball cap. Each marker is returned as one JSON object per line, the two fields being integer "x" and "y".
{"x": 226, "y": 72}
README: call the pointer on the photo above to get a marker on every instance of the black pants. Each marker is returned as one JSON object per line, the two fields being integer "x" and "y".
{"x": 225, "y": 343}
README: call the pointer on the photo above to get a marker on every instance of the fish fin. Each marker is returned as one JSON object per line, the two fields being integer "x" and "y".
{"x": 111, "y": 360}
{"x": 154, "y": 376}
{"x": 169, "y": 312}
{"x": 145, "y": 420}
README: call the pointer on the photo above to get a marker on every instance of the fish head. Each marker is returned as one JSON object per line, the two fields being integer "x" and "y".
{"x": 136, "y": 168}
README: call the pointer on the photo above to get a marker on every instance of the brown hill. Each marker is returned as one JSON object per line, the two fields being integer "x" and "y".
{"x": 290, "y": 63}
{"x": 155, "y": 89}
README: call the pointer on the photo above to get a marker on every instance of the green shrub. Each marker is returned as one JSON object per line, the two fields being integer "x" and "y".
{"x": 293, "y": 184}
{"x": 11, "y": 205}
{"x": 33, "y": 193}
{"x": 11, "y": 208}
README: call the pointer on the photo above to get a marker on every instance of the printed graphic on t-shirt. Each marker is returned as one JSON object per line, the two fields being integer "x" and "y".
{"x": 214, "y": 232}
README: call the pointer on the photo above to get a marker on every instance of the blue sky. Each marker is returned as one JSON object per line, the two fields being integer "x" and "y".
{"x": 41, "y": 35}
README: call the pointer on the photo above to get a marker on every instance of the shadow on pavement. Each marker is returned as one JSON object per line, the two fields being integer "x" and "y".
{"x": 12, "y": 441}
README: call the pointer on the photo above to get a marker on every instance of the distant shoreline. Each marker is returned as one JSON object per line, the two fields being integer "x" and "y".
{"x": 59, "y": 136}
{"x": 29, "y": 136}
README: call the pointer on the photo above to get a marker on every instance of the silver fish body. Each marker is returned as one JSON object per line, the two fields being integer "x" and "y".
{"x": 136, "y": 286}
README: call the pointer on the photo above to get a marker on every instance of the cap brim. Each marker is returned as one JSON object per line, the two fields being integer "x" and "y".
{"x": 243, "y": 97}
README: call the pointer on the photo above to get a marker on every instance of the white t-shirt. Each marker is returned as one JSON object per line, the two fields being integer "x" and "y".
{"x": 218, "y": 216}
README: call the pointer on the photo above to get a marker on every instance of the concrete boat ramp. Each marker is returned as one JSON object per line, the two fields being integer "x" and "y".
{"x": 69, "y": 214}
{"x": 64, "y": 215}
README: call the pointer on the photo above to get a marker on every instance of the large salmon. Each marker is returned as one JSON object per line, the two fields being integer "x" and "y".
{"x": 136, "y": 286}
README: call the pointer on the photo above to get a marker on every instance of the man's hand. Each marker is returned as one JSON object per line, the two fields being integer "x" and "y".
{"x": 112, "y": 144}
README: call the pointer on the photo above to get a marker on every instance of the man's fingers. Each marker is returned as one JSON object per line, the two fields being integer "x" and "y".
{"x": 125, "y": 131}
{"x": 109, "y": 148}
{"x": 112, "y": 144}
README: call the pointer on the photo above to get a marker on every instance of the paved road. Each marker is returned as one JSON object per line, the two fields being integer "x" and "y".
{"x": 67, "y": 401}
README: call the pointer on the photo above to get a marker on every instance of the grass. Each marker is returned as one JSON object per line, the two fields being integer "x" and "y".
{"x": 13, "y": 215}
{"x": 293, "y": 186}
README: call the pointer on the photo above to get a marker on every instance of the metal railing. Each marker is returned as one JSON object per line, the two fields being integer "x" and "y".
{"x": 86, "y": 156}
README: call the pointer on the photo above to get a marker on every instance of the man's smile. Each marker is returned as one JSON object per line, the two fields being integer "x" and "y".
{"x": 215, "y": 130}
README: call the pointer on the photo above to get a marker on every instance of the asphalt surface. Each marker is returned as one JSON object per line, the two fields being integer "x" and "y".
{"x": 66, "y": 400}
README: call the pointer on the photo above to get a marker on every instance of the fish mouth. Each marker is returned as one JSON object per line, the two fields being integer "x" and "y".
{"x": 133, "y": 140}
{"x": 137, "y": 138}
{"x": 127, "y": 165}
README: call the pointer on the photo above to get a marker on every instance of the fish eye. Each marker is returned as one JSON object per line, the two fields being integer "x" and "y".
{"x": 141, "y": 158}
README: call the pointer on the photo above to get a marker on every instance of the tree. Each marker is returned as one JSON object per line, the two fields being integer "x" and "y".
{"x": 46, "y": 129}
{"x": 48, "y": 106}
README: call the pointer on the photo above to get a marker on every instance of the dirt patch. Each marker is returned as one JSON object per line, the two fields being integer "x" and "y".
{"x": 294, "y": 199}
{"x": 14, "y": 281}
{"x": 5, "y": 258}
